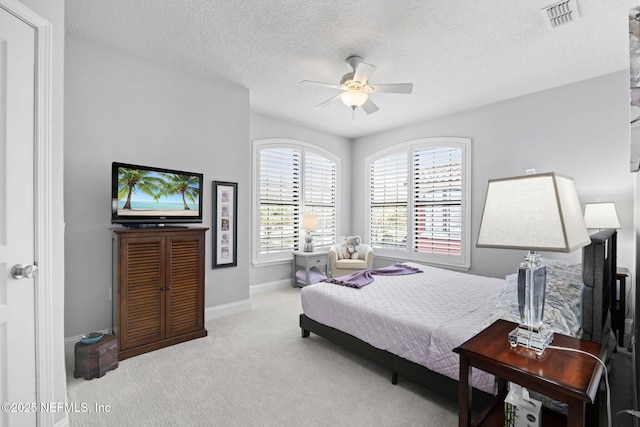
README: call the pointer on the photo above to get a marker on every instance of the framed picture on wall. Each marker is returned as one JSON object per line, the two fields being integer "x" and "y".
{"x": 225, "y": 225}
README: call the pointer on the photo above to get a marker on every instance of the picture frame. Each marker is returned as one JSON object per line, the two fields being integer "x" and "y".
{"x": 225, "y": 224}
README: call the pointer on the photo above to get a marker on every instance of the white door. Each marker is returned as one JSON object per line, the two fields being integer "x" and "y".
{"x": 17, "y": 313}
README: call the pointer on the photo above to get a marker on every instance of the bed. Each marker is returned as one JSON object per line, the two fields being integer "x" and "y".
{"x": 410, "y": 324}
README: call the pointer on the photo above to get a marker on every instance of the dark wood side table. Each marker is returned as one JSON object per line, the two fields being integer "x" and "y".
{"x": 621, "y": 306}
{"x": 562, "y": 375}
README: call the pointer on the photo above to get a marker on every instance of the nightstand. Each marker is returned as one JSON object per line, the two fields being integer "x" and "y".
{"x": 562, "y": 375}
{"x": 619, "y": 305}
{"x": 308, "y": 260}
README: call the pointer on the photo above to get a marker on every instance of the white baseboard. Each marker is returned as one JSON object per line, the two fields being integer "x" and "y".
{"x": 63, "y": 422}
{"x": 269, "y": 286}
{"x": 224, "y": 310}
{"x": 210, "y": 313}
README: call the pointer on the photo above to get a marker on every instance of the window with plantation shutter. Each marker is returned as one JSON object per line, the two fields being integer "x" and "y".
{"x": 437, "y": 200}
{"x": 388, "y": 214}
{"x": 419, "y": 201}
{"x": 280, "y": 180}
{"x": 320, "y": 196}
{"x": 293, "y": 178}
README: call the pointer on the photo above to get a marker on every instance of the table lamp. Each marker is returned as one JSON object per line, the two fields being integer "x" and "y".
{"x": 538, "y": 212}
{"x": 309, "y": 222}
{"x": 601, "y": 215}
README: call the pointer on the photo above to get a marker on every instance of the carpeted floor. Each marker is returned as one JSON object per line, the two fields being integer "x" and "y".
{"x": 254, "y": 369}
{"x": 620, "y": 375}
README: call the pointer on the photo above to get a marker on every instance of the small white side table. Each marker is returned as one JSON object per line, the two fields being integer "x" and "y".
{"x": 308, "y": 260}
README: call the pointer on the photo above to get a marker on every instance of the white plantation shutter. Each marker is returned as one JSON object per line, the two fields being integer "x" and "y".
{"x": 320, "y": 196}
{"x": 388, "y": 214}
{"x": 437, "y": 200}
{"x": 280, "y": 176}
{"x": 419, "y": 201}
{"x": 292, "y": 179}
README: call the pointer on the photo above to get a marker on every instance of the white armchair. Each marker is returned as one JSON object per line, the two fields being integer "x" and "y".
{"x": 342, "y": 267}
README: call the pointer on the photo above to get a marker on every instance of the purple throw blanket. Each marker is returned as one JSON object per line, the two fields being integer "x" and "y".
{"x": 364, "y": 277}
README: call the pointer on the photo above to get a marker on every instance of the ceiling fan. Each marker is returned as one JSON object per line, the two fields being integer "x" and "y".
{"x": 356, "y": 89}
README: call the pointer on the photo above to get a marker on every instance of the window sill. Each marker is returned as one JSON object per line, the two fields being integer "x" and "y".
{"x": 259, "y": 264}
{"x": 421, "y": 261}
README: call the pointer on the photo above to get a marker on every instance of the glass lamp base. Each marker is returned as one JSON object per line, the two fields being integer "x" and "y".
{"x": 308, "y": 242}
{"x": 531, "y": 337}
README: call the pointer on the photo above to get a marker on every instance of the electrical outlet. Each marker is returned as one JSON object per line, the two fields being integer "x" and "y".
{"x": 110, "y": 293}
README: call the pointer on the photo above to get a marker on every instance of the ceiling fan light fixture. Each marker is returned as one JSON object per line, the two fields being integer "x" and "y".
{"x": 356, "y": 89}
{"x": 354, "y": 98}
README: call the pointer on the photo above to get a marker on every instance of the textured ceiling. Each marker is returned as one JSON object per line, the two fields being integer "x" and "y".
{"x": 459, "y": 54}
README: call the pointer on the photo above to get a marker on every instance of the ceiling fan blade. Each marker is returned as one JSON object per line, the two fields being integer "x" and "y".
{"x": 393, "y": 88}
{"x": 331, "y": 85}
{"x": 327, "y": 102}
{"x": 369, "y": 106}
{"x": 363, "y": 72}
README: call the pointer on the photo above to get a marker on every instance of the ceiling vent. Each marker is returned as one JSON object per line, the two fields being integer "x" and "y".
{"x": 561, "y": 13}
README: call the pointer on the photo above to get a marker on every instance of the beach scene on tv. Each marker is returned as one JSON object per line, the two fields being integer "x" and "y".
{"x": 145, "y": 192}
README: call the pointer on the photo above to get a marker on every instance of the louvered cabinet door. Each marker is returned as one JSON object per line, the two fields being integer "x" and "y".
{"x": 141, "y": 316}
{"x": 160, "y": 288}
{"x": 185, "y": 279}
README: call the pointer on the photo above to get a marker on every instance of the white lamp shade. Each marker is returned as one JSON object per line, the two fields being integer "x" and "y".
{"x": 601, "y": 215}
{"x": 538, "y": 212}
{"x": 354, "y": 98}
{"x": 309, "y": 222}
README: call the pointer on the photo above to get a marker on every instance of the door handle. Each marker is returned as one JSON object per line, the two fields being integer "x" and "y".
{"x": 20, "y": 271}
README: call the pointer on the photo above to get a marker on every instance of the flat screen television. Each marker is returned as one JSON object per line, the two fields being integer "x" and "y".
{"x": 151, "y": 196}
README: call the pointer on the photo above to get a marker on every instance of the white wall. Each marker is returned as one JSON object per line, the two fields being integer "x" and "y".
{"x": 120, "y": 107}
{"x": 580, "y": 130}
{"x": 264, "y": 127}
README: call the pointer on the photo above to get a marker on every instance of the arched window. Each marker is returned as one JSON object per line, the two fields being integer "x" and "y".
{"x": 419, "y": 201}
{"x": 292, "y": 178}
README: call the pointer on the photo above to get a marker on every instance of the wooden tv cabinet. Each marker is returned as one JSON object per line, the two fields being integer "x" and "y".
{"x": 159, "y": 290}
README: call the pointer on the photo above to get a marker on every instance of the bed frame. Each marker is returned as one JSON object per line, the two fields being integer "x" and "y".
{"x": 599, "y": 276}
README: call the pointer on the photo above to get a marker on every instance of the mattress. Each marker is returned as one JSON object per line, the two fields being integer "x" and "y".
{"x": 421, "y": 317}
